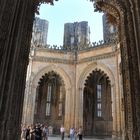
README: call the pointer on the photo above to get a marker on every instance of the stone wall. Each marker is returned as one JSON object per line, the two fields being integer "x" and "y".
{"x": 74, "y": 69}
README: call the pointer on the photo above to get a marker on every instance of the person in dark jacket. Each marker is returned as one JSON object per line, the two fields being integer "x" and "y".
{"x": 28, "y": 133}
{"x": 38, "y": 133}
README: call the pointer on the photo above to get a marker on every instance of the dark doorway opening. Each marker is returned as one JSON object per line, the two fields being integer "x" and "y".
{"x": 97, "y": 107}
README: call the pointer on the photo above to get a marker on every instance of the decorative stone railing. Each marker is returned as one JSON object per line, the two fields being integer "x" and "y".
{"x": 89, "y": 46}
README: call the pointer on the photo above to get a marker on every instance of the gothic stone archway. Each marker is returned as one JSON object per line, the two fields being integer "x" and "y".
{"x": 29, "y": 106}
{"x": 50, "y": 101}
{"x": 114, "y": 94}
{"x": 97, "y": 105}
{"x": 125, "y": 20}
{"x": 16, "y": 20}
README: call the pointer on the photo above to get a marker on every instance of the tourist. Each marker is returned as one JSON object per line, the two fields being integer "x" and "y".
{"x": 32, "y": 135}
{"x": 28, "y": 133}
{"x": 38, "y": 133}
{"x": 71, "y": 133}
{"x": 80, "y": 133}
{"x": 75, "y": 134}
{"x": 62, "y": 131}
{"x": 45, "y": 132}
{"x": 23, "y": 132}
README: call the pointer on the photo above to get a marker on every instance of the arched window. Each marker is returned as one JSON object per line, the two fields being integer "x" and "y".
{"x": 48, "y": 103}
{"x": 60, "y": 102}
{"x": 98, "y": 105}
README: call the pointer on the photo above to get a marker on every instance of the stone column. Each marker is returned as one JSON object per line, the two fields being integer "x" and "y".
{"x": 26, "y": 97}
{"x": 67, "y": 119}
{"x": 16, "y": 18}
{"x": 76, "y": 117}
{"x": 79, "y": 108}
{"x": 72, "y": 107}
{"x": 114, "y": 113}
{"x": 81, "y": 91}
{"x": 118, "y": 99}
{"x": 121, "y": 102}
{"x": 32, "y": 103}
{"x": 27, "y": 93}
{"x": 29, "y": 103}
{"x": 131, "y": 77}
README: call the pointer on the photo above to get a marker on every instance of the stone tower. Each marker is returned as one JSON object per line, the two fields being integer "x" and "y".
{"x": 40, "y": 32}
{"x": 77, "y": 33}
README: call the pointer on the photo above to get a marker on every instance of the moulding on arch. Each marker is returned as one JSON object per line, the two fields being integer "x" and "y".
{"x": 58, "y": 70}
{"x": 90, "y": 68}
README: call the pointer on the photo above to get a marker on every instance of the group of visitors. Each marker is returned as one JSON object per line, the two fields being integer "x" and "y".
{"x": 73, "y": 133}
{"x": 41, "y": 132}
{"x": 37, "y": 132}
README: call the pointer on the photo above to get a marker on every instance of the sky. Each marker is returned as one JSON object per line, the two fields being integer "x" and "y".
{"x": 65, "y": 11}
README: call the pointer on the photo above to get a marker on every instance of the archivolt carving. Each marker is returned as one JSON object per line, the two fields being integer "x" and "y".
{"x": 56, "y": 69}
{"x": 92, "y": 67}
{"x": 105, "y": 7}
{"x": 128, "y": 52}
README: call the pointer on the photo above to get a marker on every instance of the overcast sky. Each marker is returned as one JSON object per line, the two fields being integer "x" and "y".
{"x": 65, "y": 11}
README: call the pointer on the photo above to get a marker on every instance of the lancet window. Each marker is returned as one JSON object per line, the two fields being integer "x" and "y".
{"x": 48, "y": 103}
{"x": 99, "y": 105}
{"x": 60, "y": 102}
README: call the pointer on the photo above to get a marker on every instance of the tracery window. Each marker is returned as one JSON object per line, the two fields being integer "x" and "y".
{"x": 60, "y": 102}
{"x": 48, "y": 103}
{"x": 37, "y": 90}
{"x": 99, "y": 105}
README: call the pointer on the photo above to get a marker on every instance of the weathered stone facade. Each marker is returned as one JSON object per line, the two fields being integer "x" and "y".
{"x": 16, "y": 19}
{"x": 74, "y": 68}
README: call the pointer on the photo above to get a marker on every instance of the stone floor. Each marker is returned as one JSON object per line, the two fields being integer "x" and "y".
{"x": 59, "y": 138}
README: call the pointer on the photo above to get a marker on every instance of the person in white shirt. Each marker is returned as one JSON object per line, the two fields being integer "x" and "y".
{"x": 62, "y": 131}
{"x": 72, "y": 131}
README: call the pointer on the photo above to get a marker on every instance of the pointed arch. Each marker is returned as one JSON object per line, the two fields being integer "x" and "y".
{"x": 56, "y": 69}
{"x": 92, "y": 67}
{"x": 81, "y": 84}
{"x": 34, "y": 84}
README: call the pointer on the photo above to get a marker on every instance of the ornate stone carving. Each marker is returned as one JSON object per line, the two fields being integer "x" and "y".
{"x": 64, "y": 61}
{"x": 90, "y": 46}
{"x": 128, "y": 60}
{"x": 94, "y": 58}
{"x": 12, "y": 49}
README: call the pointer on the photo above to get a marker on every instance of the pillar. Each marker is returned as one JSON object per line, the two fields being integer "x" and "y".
{"x": 16, "y": 18}
{"x": 67, "y": 119}
{"x": 79, "y": 108}
{"x": 114, "y": 113}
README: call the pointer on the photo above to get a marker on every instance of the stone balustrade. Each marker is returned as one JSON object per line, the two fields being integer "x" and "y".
{"x": 93, "y": 45}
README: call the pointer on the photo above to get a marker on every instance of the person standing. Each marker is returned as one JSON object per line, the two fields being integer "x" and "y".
{"x": 28, "y": 133}
{"x": 62, "y": 131}
{"x": 72, "y": 133}
{"x": 32, "y": 135}
{"x": 38, "y": 133}
{"x": 80, "y": 133}
{"x": 45, "y": 132}
{"x": 23, "y": 133}
{"x": 75, "y": 134}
